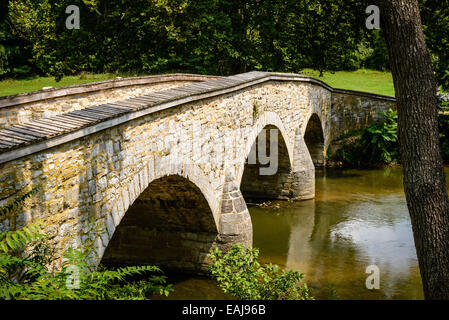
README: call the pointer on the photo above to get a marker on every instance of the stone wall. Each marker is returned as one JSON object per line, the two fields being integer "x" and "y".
{"x": 47, "y": 103}
{"x": 355, "y": 110}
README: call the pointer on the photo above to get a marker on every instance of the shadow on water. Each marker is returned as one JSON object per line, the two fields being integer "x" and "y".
{"x": 192, "y": 288}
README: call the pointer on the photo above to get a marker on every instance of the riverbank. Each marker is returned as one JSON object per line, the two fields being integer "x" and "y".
{"x": 376, "y": 146}
{"x": 360, "y": 80}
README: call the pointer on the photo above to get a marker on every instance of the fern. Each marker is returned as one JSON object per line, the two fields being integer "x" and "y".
{"x": 15, "y": 240}
{"x": 27, "y": 276}
{"x": 25, "y": 255}
{"x": 17, "y": 202}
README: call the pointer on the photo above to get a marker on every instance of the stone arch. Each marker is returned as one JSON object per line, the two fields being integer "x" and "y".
{"x": 266, "y": 119}
{"x": 136, "y": 232}
{"x": 255, "y": 181}
{"x": 315, "y": 141}
{"x": 267, "y": 181}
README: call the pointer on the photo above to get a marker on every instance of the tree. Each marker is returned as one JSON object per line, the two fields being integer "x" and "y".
{"x": 424, "y": 178}
{"x": 205, "y": 36}
{"x": 435, "y": 16}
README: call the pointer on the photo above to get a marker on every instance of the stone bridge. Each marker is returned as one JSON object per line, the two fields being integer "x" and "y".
{"x": 166, "y": 171}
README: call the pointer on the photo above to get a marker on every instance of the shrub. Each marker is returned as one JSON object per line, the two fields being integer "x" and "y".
{"x": 377, "y": 144}
{"x": 443, "y": 123}
{"x": 26, "y": 274}
{"x": 240, "y": 275}
{"x": 381, "y": 140}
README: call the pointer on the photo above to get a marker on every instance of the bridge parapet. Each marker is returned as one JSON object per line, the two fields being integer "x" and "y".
{"x": 352, "y": 110}
{"x": 25, "y": 107}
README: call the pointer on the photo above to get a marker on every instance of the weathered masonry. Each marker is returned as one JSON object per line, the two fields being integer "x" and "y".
{"x": 51, "y": 102}
{"x": 167, "y": 170}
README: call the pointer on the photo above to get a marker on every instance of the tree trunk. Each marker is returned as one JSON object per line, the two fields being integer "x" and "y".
{"x": 424, "y": 178}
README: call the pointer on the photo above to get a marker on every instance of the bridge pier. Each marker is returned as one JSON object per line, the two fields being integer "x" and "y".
{"x": 303, "y": 176}
{"x": 235, "y": 222}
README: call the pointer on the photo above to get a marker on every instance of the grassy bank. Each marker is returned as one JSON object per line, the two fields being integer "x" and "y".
{"x": 362, "y": 80}
{"x": 12, "y": 86}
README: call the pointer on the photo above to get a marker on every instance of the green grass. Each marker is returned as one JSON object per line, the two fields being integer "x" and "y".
{"x": 361, "y": 80}
{"x": 10, "y": 86}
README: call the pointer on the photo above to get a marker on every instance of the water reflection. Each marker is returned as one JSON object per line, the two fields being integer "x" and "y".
{"x": 358, "y": 218}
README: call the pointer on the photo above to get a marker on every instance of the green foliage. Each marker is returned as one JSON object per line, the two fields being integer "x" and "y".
{"x": 240, "y": 275}
{"x": 377, "y": 144}
{"x": 26, "y": 274}
{"x": 435, "y": 16}
{"x": 16, "y": 240}
{"x": 444, "y": 106}
{"x": 443, "y": 124}
{"x": 17, "y": 203}
{"x": 13, "y": 53}
{"x": 373, "y": 52}
{"x": 3, "y": 61}
{"x": 206, "y": 36}
{"x": 381, "y": 139}
{"x": 256, "y": 109}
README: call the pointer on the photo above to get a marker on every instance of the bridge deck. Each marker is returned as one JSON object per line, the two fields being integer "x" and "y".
{"x": 37, "y": 133}
{"x": 34, "y": 131}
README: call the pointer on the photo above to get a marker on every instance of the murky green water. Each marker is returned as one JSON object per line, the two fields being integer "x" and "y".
{"x": 358, "y": 218}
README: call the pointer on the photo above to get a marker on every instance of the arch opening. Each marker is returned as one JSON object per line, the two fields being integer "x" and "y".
{"x": 259, "y": 183}
{"x": 314, "y": 139}
{"x": 169, "y": 225}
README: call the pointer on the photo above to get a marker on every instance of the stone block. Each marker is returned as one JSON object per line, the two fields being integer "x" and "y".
{"x": 226, "y": 206}
{"x": 239, "y": 204}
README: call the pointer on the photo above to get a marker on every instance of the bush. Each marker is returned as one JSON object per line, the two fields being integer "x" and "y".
{"x": 381, "y": 140}
{"x": 240, "y": 275}
{"x": 25, "y": 272}
{"x": 377, "y": 58}
{"x": 377, "y": 144}
{"x": 443, "y": 123}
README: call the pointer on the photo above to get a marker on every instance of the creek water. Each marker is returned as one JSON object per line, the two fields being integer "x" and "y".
{"x": 357, "y": 219}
